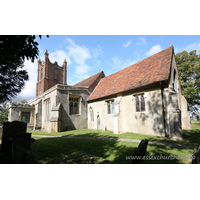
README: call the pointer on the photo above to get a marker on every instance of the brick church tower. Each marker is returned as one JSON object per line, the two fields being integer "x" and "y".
{"x": 50, "y": 74}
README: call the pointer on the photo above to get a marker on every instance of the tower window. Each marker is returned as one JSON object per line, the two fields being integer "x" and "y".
{"x": 41, "y": 75}
{"x": 56, "y": 74}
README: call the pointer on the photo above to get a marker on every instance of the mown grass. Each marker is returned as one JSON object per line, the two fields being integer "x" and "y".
{"x": 78, "y": 150}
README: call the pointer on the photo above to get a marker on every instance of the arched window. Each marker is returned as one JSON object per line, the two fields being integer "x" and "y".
{"x": 73, "y": 105}
{"x": 137, "y": 103}
{"x": 91, "y": 115}
{"x": 110, "y": 107}
{"x": 25, "y": 117}
{"x": 98, "y": 122}
{"x": 71, "y": 108}
{"x": 140, "y": 103}
{"x": 75, "y": 108}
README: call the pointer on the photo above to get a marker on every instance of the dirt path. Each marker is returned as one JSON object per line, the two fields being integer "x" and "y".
{"x": 185, "y": 146}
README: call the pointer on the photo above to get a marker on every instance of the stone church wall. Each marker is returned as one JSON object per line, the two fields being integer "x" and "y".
{"x": 73, "y": 121}
{"x": 126, "y": 119}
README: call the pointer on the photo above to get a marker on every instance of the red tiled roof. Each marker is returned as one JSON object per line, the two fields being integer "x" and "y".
{"x": 153, "y": 69}
{"x": 89, "y": 81}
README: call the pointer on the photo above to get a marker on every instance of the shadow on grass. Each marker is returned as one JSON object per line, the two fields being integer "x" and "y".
{"x": 78, "y": 150}
{"x": 91, "y": 133}
{"x": 192, "y": 135}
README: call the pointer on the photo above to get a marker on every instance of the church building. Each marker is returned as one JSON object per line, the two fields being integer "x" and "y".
{"x": 144, "y": 98}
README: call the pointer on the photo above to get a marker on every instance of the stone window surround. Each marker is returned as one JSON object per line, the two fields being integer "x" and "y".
{"x": 110, "y": 106}
{"x": 25, "y": 114}
{"x": 175, "y": 81}
{"x": 27, "y": 111}
{"x": 79, "y": 104}
{"x": 134, "y": 100}
{"x": 91, "y": 114}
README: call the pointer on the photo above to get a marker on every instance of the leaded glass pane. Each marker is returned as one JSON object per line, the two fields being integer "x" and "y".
{"x": 113, "y": 107}
{"x": 142, "y": 103}
{"x": 137, "y": 103}
{"x": 108, "y": 105}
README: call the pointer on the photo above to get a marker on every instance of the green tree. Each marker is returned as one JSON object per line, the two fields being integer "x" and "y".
{"x": 4, "y": 112}
{"x": 23, "y": 101}
{"x": 189, "y": 71}
{"x": 13, "y": 51}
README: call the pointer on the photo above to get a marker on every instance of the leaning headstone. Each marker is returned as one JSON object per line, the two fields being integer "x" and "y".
{"x": 11, "y": 129}
{"x": 140, "y": 152}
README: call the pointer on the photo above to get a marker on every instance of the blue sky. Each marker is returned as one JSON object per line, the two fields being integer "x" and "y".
{"x": 87, "y": 55}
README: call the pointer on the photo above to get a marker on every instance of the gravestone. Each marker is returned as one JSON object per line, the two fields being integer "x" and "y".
{"x": 140, "y": 152}
{"x": 21, "y": 148}
{"x": 11, "y": 129}
{"x": 16, "y": 143}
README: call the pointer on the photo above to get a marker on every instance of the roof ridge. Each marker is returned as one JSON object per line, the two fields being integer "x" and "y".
{"x": 89, "y": 77}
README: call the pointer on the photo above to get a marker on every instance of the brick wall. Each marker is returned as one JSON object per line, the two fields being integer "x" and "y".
{"x": 46, "y": 75}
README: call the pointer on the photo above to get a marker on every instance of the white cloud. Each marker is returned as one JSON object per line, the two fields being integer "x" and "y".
{"x": 108, "y": 72}
{"x": 29, "y": 90}
{"x": 78, "y": 78}
{"x": 119, "y": 64}
{"x": 59, "y": 56}
{"x": 82, "y": 69}
{"x": 191, "y": 47}
{"x": 125, "y": 45}
{"x": 154, "y": 49}
{"x": 141, "y": 40}
{"x": 97, "y": 51}
{"x": 78, "y": 53}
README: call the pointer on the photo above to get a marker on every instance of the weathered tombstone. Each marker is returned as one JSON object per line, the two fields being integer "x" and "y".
{"x": 21, "y": 148}
{"x": 11, "y": 129}
{"x": 140, "y": 152}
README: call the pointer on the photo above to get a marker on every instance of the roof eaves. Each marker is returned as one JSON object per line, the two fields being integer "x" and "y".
{"x": 130, "y": 89}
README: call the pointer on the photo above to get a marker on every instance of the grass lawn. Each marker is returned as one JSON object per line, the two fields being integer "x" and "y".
{"x": 78, "y": 150}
